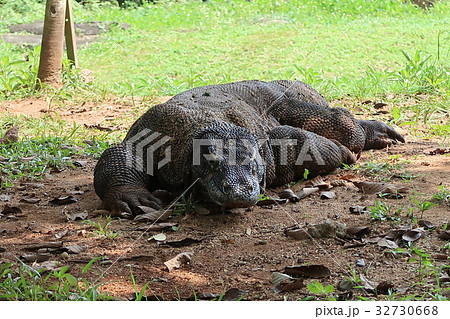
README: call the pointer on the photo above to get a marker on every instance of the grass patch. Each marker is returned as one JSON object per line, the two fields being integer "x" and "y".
{"x": 172, "y": 46}
{"x": 30, "y": 284}
{"x": 48, "y": 143}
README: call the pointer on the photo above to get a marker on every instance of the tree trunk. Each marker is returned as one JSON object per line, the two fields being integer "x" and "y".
{"x": 52, "y": 49}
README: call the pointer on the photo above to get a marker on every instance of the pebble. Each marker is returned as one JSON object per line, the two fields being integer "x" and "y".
{"x": 361, "y": 263}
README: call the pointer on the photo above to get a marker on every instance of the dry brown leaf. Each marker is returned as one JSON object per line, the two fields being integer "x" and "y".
{"x": 308, "y": 271}
{"x": 54, "y": 244}
{"x": 386, "y": 243}
{"x": 271, "y": 201}
{"x": 36, "y": 257}
{"x": 426, "y": 224}
{"x": 367, "y": 284}
{"x": 178, "y": 261}
{"x": 288, "y": 194}
{"x": 61, "y": 234}
{"x": 440, "y": 256}
{"x": 320, "y": 183}
{"x": 41, "y": 229}
{"x": 358, "y": 231}
{"x": 283, "y": 282}
{"x": 327, "y": 195}
{"x": 11, "y": 210}
{"x": 76, "y": 216}
{"x": 396, "y": 234}
{"x": 305, "y": 192}
{"x": 384, "y": 188}
{"x": 445, "y": 235}
{"x": 438, "y": 151}
{"x": 413, "y": 234}
{"x": 358, "y": 210}
{"x": 384, "y": 287}
{"x": 30, "y": 200}
{"x": 64, "y": 200}
{"x": 75, "y": 249}
{"x": 80, "y": 163}
{"x": 11, "y": 136}
{"x": 151, "y": 214}
{"x": 234, "y": 294}
{"x": 50, "y": 265}
{"x": 326, "y": 229}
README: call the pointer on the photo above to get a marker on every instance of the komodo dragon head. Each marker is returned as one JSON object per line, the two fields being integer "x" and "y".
{"x": 227, "y": 162}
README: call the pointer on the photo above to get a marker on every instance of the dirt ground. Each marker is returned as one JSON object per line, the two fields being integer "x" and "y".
{"x": 235, "y": 251}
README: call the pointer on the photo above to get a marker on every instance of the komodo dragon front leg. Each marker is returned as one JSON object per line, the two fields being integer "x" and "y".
{"x": 119, "y": 183}
{"x": 336, "y": 124}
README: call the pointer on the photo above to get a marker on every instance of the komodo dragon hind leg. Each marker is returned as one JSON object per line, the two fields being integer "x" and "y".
{"x": 295, "y": 150}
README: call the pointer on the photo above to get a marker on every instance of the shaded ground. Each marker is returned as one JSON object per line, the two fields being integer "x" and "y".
{"x": 31, "y": 33}
{"x": 239, "y": 249}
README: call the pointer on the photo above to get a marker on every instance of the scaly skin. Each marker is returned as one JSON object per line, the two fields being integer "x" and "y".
{"x": 271, "y": 132}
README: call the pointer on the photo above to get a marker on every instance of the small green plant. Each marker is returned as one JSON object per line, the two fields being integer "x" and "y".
{"x": 317, "y": 288}
{"x": 185, "y": 206}
{"x": 381, "y": 212}
{"x": 443, "y": 195}
{"x": 306, "y": 173}
{"x": 28, "y": 283}
{"x": 16, "y": 81}
{"x": 400, "y": 252}
{"x": 425, "y": 266}
{"x": 354, "y": 276}
{"x": 423, "y": 206}
{"x": 103, "y": 228}
{"x": 139, "y": 294}
{"x": 420, "y": 73}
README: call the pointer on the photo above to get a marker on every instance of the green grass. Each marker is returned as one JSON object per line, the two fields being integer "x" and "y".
{"x": 46, "y": 143}
{"x": 102, "y": 229}
{"x": 29, "y": 284}
{"x": 175, "y": 46}
{"x": 347, "y": 46}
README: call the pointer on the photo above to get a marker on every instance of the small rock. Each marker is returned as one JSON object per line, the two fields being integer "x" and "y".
{"x": 5, "y": 198}
{"x": 358, "y": 210}
{"x": 345, "y": 285}
{"x": 361, "y": 263}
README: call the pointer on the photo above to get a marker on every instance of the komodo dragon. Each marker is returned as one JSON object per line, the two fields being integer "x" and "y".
{"x": 234, "y": 139}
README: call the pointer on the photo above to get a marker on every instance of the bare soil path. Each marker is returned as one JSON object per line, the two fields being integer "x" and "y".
{"x": 239, "y": 249}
